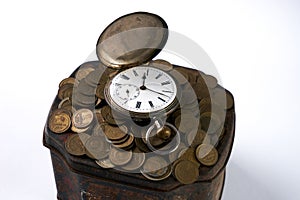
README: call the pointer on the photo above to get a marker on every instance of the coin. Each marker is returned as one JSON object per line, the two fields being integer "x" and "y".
{"x": 115, "y": 133}
{"x": 161, "y": 64}
{"x": 189, "y": 154}
{"x": 74, "y": 145}
{"x": 100, "y": 91}
{"x": 207, "y": 154}
{"x": 99, "y": 116}
{"x": 105, "y": 163}
{"x": 84, "y": 70}
{"x": 167, "y": 170}
{"x": 86, "y": 89}
{"x": 141, "y": 145}
{"x": 65, "y": 102}
{"x": 59, "y": 121}
{"x": 210, "y": 81}
{"x": 97, "y": 147}
{"x": 137, "y": 160}
{"x": 98, "y": 130}
{"x": 128, "y": 142}
{"x": 155, "y": 166}
{"x": 198, "y": 139}
{"x": 210, "y": 122}
{"x": 65, "y": 81}
{"x": 79, "y": 130}
{"x": 223, "y": 98}
{"x": 82, "y": 118}
{"x": 119, "y": 157}
{"x": 92, "y": 79}
{"x": 65, "y": 91}
{"x": 186, "y": 172}
{"x": 179, "y": 78}
{"x": 174, "y": 155}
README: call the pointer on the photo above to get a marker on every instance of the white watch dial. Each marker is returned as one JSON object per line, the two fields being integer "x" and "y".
{"x": 142, "y": 89}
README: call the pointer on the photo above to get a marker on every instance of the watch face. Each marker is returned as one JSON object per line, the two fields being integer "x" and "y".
{"x": 142, "y": 89}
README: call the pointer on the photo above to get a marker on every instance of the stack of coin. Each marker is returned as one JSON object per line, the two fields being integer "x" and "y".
{"x": 119, "y": 136}
{"x": 113, "y": 141}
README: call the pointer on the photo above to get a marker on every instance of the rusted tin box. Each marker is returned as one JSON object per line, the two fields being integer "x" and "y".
{"x": 80, "y": 178}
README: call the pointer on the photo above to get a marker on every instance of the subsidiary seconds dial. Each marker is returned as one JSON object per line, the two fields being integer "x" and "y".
{"x": 142, "y": 89}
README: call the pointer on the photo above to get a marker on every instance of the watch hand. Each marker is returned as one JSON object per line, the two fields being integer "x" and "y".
{"x": 158, "y": 92}
{"x": 144, "y": 79}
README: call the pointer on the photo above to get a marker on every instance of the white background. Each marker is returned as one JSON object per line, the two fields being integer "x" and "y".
{"x": 255, "y": 46}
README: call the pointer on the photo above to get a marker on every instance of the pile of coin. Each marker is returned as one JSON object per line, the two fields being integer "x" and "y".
{"x": 97, "y": 131}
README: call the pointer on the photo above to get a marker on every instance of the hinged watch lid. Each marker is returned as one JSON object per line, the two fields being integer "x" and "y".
{"x": 132, "y": 40}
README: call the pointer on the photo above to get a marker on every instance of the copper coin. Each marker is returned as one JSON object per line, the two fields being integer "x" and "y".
{"x": 137, "y": 160}
{"x": 167, "y": 172}
{"x": 126, "y": 143}
{"x": 155, "y": 166}
{"x": 59, "y": 121}
{"x": 186, "y": 172}
{"x": 105, "y": 163}
{"x": 65, "y": 81}
{"x": 179, "y": 78}
{"x": 207, "y": 154}
{"x": 84, "y": 70}
{"x": 82, "y": 118}
{"x": 74, "y": 145}
{"x": 115, "y": 133}
{"x": 211, "y": 81}
{"x": 210, "y": 122}
{"x": 119, "y": 157}
{"x": 97, "y": 147}
{"x": 65, "y": 91}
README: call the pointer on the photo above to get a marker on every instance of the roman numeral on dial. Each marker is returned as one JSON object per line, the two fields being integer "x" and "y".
{"x": 165, "y": 83}
{"x": 125, "y": 77}
{"x": 135, "y": 73}
{"x": 151, "y": 104}
{"x": 138, "y": 104}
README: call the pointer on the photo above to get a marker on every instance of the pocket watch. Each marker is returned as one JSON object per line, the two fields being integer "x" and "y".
{"x": 138, "y": 89}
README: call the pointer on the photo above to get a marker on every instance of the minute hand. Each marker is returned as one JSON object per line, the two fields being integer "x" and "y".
{"x": 158, "y": 92}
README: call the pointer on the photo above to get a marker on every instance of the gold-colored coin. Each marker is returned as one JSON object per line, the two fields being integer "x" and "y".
{"x": 115, "y": 133}
{"x": 79, "y": 130}
{"x": 137, "y": 160}
{"x": 84, "y": 70}
{"x": 161, "y": 64}
{"x": 189, "y": 154}
{"x": 186, "y": 172}
{"x": 82, "y": 118}
{"x": 210, "y": 81}
{"x": 198, "y": 139}
{"x": 74, "y": 145}
{"x": 167, "y": 170}
{"x": 207, "y": 154}
{"x": 100, "y": 91}
{"x": 155, "y": 167}
{"x": 59, "y": 121}
{"x": 187, "y": 122}
{"x": 179, "y": 78}
{"x": 223, "y": 98}
{"x": 69, "y": 80}
{"x": 105, "y": 163}
{"x": 64, "y": 103}
{"x": 141, "y": 145}
{"x": 128, "y": 142}
{"x": 99, "y": 116}
{"x": 119, "y": 157}
{"x": 97, "y": 147}
{"x": 65, "y": 91}
{"x": 173, "y": 156}
{"x": 210, "y": 122}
